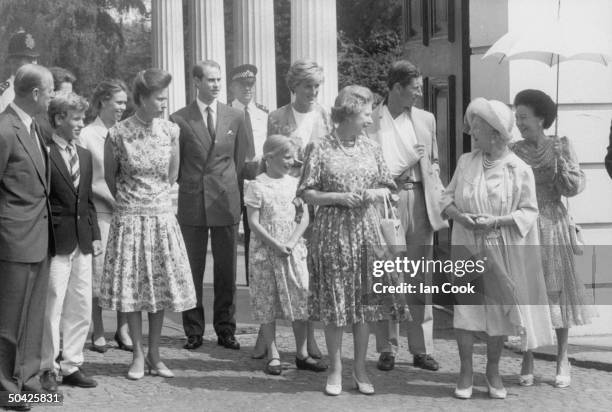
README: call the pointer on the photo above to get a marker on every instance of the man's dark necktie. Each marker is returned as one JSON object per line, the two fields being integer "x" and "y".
{"x": 38, "y": 145}
{"x": 249, "y": 126}
{"x": 210, "y": 124}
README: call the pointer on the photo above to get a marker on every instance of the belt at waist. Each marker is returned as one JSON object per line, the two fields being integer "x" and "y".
{"x": 410, "y": 185}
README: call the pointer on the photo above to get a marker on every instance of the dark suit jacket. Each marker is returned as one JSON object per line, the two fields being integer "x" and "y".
{"x": 26, "y": 234}
{"x": 74, "y": 215}
{"x": 208, "y": 174}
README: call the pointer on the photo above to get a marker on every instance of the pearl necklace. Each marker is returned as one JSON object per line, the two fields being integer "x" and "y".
{"x": 489, "y": 164}
{"x": 344, "y": 148}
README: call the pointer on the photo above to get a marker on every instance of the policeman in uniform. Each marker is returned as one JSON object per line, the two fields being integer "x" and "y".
{"x": 242, "y": 87}
{"x": 21, "y": 50}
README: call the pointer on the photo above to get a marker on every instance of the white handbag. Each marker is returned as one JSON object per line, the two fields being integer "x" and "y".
{"x": 391, "y": 229}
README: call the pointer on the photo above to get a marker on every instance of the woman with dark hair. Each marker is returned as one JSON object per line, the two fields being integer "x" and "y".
{"x": 345, "y": 176}
{"x": 557, "y": 174}
{"x": 108, "y": 104}
{"x": 146, "y": 266}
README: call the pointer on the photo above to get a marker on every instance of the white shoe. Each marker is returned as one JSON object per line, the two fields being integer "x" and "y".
{"x": 465, "y": 393}
{"x": 365, "y": 388}
{"x": 563, "y": 381}
{"x": 333, "y": 390}
{"x": 495, "y": 393}
{"x": 526, "y": 380}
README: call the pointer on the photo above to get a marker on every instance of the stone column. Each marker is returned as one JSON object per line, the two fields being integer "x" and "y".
{"x": 207, "y": 33}
{"x": 313, "y": 36}
{"x": 254, "y": 43}
{"x": 168, "y": 50}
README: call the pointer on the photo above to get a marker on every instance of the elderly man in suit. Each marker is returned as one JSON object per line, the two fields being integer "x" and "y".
{"x": 26, "y": 234}
{"x": 407, "y": 136}
{"x": 213, "y": 146}
{"x": 77, "y": 234}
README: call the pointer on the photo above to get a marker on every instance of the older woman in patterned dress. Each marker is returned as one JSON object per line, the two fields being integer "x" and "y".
{"x": 344, "y": 176}
{"x": 557, "y": 174}
{"x": 146, "y": 266}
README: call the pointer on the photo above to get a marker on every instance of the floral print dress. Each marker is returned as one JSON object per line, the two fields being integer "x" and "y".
{"x": 556, "y": 177}
{"x": 338, "y": 248}
{"x": 278, "y": 285}
{"x": 145, "y": 266}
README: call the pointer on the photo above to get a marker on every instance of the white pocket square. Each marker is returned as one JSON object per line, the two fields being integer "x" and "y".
{"x": 230, "y": 132}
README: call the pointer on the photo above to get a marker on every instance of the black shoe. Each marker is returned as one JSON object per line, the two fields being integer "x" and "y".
{"x": 98, "y": 348}
{"x": 48, "y": 381}
{"x": 122, "y": 345}
{"x": 425, "y": 362}
{"x": 229, "y": 341}
{"x": 386, "y": 361}
{"x": 79, "y": 379}
{"x": 193, "y": 342}
{"x": 273, "y": 369}
{"x": 303, "y": 364}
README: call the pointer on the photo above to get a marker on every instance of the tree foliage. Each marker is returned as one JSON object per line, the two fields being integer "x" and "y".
{"x": 88, "y": 37}
{"x": 369, "y": 41}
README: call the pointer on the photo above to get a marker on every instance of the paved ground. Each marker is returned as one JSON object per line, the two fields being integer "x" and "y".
{"x": 216, "y": 379}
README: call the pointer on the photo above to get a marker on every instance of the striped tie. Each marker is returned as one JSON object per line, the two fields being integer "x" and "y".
{"x": 74, "y": 165}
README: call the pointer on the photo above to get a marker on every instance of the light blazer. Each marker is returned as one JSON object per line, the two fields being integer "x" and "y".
{"x": 425, "y": 130}
{"x": 208, "y": 174}
{"x": 282, "y": 121}
{"x": 26, "y": 233}
{"x": 75, "y": 220}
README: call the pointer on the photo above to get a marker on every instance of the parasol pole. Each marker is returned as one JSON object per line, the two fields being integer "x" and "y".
{"x": 558, "y": 64}
{"x": 557, "y": 98}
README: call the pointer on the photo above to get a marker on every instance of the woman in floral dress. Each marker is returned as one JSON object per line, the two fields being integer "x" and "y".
{"x": 279, "y": 273}
{"x": 146, "y": 266}
{"x": 557, "y": 173}
{"x": 344, "y": 176}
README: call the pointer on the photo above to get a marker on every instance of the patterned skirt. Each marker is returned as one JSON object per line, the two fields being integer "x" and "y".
{"x": 341, "y": 282}
{"x": 146, "y": 266}
{"x": 569, "y": 305}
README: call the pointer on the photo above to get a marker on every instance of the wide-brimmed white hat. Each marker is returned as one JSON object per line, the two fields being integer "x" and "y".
{"x": 494, "y": 112}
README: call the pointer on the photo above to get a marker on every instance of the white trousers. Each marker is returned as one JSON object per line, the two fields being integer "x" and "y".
{"x": 68, "y": 311}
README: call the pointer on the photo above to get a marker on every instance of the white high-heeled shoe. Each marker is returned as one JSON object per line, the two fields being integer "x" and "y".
{"x": 134, "y": 375}
{"x": 526, "y": 380}
{"x": 495, "y": 393}
{"x": 164, "y": 372}
{"x": 333, "y": 390}
{"x": 563, "y": 381}
{"x": 365, "y": 388}
{"x": 465, "y": 393}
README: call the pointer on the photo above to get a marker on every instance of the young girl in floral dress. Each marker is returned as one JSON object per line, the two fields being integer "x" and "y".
{"x": 277, "y": 263}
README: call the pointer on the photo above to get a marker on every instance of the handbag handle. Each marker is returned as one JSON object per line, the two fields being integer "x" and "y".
{"x": 388, "y": 206}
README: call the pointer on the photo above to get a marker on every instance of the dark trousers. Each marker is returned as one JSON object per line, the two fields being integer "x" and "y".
{"x": 223, "y": 245}
{"x": 23, "y": 293}
{"x": 247, "y": 240}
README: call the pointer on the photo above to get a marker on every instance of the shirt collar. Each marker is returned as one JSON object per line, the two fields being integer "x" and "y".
{"x": 61, "y": 142}
{"x": 23, "y": 116}
{"x": 203, "y": 106}
{"x": 238, "y": 105}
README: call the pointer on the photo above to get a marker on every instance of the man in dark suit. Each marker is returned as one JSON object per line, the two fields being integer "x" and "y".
{"x": 26, "y": 235}
{"x": 75, "y": 223}
{"x": 213, "y": 146}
